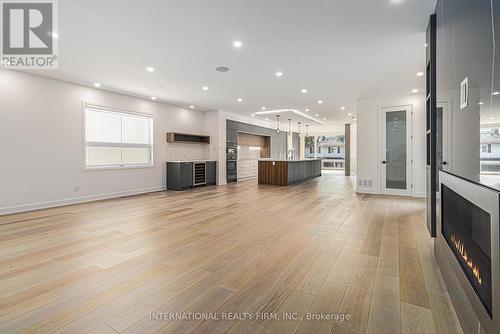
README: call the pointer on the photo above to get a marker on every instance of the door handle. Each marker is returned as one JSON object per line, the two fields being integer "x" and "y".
{"x": 444, "y": 163}
{"x": 384, "y": 162}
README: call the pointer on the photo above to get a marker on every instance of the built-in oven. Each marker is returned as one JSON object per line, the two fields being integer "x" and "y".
{"x": 231, "y": 153}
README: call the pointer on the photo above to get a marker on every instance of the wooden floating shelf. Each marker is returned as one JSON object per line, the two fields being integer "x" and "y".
{"x": 183, "y": 138}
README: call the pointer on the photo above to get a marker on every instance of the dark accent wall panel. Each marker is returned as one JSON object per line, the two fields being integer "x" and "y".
{"x": 430, "y": 100}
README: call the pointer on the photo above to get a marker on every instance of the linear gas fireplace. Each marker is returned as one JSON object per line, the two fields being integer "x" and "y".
{"x": 467, "y": 250}
{"x": 466, "y": 229}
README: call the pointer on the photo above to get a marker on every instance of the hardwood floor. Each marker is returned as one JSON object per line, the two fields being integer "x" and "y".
{"x": 238, "y": 251}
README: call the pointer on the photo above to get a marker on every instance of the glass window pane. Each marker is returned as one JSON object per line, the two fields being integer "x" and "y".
{"x": 135, "y": 130}
{"x": 102, "y": 156}
{"x": 331, "y": 147}
{"x": 395, "y": 150}
{"x": 136, "y": 156}
{"x": 102, "y": 127}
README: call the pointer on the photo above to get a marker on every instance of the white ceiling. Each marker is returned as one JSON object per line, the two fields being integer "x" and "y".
{"x": 339, "y": 50}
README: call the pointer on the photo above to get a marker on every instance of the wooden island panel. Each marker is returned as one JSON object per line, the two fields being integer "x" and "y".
{"x": 287, "y": 172}
{"x": 273, "y": 174}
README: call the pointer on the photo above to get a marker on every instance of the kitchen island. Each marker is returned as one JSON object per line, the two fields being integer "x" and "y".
{"x": 287, "y": 172}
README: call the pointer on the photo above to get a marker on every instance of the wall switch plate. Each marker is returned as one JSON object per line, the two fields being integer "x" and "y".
{"x": 464, "y": 93}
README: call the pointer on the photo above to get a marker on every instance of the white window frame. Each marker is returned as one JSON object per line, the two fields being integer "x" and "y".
{"x": 85, "y": 144}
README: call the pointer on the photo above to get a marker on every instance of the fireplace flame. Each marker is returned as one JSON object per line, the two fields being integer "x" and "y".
{"x": 463, "y": 252}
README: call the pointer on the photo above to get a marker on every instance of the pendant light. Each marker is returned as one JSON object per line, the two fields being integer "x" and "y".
{"x": 278, "y": 124}
{"x": 289, "y": 126}
{"x": 299, "y": 126}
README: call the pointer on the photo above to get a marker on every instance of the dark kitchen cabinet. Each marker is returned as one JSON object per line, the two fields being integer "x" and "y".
{"x": 179, "y": 175}
{"x": 211, "y": 172}
{"x": 232, "y": 136}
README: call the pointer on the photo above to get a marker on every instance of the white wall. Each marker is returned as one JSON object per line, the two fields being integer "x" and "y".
{"x": 368, "y": 138}
{"x": 354, "y": 148}
{"x": 41, "y": 148}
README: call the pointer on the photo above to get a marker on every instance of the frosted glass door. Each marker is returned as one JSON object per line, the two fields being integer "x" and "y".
{"x": 396, "y": 152}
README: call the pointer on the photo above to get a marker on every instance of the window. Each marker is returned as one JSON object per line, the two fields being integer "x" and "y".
{"x": 117, "y": 139}
{"x": 329, "y": 149}
{"x": 485, "y": 148}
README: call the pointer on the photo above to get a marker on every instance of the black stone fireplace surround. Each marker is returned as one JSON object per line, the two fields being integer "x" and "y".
{"x": 467, "y": 251}
{"x": 466, "y": 229}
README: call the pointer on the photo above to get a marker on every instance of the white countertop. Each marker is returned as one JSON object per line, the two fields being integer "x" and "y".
{"x": 295, "y": 160}
{"x": 192, "y": 160}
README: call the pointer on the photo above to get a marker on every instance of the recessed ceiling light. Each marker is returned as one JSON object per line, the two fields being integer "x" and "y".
{"x": 153, "y": 98}
{"x": 263, "y": 108}
{"x": 342, "y": 108}
{"x": 317, "y": 115}
{"x": 320, "y": 101}
{"x": 426, "y": 45}
{"x": 237, "y": 44}
{"x": 349, "y": 114}
{"x": 253, "y": 115}
{"x": 150, "y": 69}
{"x": 306, "y": 110}
{"x": 191, "y": 106}
{"x": 240, "y": 100}
{"x": 481, "y": 103}
{"x": 495, "y": 93}
{"x": 420, "y": 74}
{"x": 96, "y": 84}
{"x": 303, "y": 91}
{"x": 205, "y": 88}
{"x": 492, "y": 117}
{"x": 279, "y": 74}
{"x": 222, "y": 68}
{"x": 414, "y": 90}
{"x": 267, "y": 119}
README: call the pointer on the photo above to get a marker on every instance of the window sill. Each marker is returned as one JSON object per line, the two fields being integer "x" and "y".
{"x": 104, "y": 168}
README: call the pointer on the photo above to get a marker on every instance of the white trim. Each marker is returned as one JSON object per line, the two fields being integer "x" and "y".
{"x": 366, "y": 190}
{"x": 117, "y": 167}
{"x": 447, "y": 133}
{"x": 124, "y": 145}
{"x": 151, "y": 145}
{"x": 115, "y": 110}
{"x": 420, "y": 194}
{"x": 75, "y": 200}
{"x": 382, "y": 110}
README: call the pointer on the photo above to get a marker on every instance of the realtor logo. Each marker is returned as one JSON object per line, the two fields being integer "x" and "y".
{"x": 29, "y": 38}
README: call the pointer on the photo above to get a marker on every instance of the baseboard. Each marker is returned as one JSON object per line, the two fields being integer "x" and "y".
{"x": 362, "y": 190}
{"x": 75, "y": 200}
